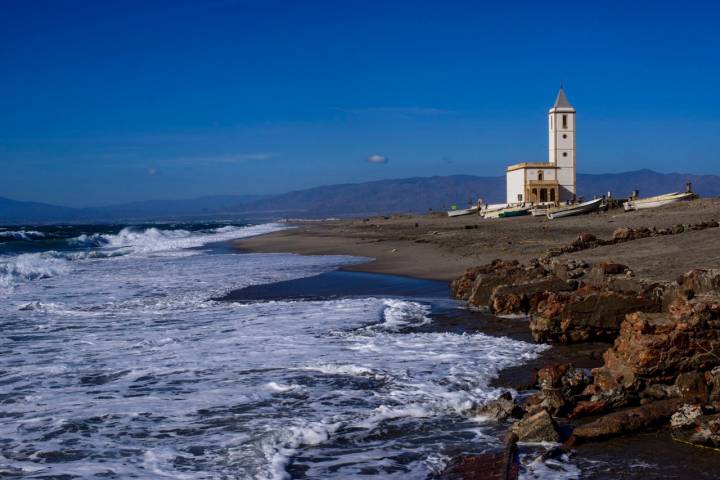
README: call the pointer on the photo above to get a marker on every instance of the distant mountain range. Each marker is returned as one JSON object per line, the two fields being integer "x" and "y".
{"x": 384, "y": 196}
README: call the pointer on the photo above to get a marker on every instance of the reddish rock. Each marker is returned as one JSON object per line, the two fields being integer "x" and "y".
{"x": 692, "y": 387}
{"x": 586, "y": 238}
{"x": 588, "y": 407}
{"x": 623, "y": 234}
{"x": 486, "y": 278}
{"x": 525, "y": 297}
{"x": 644, "y": 417}
{"x": 503, "y": 465}
{"x": 703, "y": 431}
{"x": 539, "y": 427}
{"x": 582, "y": 316}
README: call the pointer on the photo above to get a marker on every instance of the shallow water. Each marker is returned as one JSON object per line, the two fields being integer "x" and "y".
{"x": 116, "y": 362}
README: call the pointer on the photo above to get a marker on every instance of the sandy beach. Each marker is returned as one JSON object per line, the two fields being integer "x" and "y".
{"x": 441, "y": 248}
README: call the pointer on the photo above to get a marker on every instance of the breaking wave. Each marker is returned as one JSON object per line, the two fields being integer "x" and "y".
{"x": 17, "y": 269}
{"x": 22, "y": 234}
{"x": 154, "y": 239}
{"x": 31, "y": 266}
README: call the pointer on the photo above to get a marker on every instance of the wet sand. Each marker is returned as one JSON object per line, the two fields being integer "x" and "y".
{"x": 441, "y": 248}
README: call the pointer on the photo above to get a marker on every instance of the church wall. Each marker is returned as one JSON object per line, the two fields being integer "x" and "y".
{"x": 548, "y": 173}
{"x": 515, "y": 185}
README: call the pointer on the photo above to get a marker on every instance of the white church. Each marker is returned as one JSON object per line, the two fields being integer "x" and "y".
{"x": 554, "y": 181}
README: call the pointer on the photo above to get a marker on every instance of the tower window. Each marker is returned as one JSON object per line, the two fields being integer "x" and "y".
{"x": 564, "y": 121}
{"x": 540, "y": 174}
{"x": 564, "y": 154}
{"x": 564, "y": 135}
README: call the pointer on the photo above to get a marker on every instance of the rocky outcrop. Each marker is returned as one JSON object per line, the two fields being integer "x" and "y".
{"x": 586, "y": 314}
{"x": 561, "y": 387}
{"x": 477, "y": 284}
{"x": 585, "y": 241}
{"x": 499, "y": 410}
{"x": 673, "y": 353}
{"x": 524, "y": 298}
{"x": 630, "y": 420}
{"x": 539, "y": 427}
{"x": 697, "y": 429}
{"x": 503, "y": 465}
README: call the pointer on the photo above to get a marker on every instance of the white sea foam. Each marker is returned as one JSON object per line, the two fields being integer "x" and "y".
{"x": 158, "y": 240}
{"x": 130, "y": 354}
{"x": 16, "y": 269}
{"x": 30, "y": 266}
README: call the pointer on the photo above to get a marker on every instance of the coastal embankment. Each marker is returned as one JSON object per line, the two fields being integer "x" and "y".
{"x": 639, "y": 286}
{"x": 436, "y": 247}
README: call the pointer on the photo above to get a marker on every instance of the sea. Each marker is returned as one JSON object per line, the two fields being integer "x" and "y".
{"x": 161, "y": 351}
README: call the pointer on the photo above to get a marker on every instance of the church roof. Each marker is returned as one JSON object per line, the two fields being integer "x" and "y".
{"x": 561, "y": 101}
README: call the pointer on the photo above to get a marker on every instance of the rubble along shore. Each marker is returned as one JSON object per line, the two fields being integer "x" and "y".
{"x": 662, "y": 370}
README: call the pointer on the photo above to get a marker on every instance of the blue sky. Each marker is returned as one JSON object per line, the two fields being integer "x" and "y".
{"x": 106, "y": 102}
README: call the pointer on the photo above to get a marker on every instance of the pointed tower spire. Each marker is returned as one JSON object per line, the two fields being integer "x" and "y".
{"x": 561, "y": 101}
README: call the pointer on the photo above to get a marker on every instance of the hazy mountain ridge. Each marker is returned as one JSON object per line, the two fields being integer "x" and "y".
{"x": 417, "y": 194}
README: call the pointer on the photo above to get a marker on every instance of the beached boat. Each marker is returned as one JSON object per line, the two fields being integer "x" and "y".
{"x": 464, "y": 211}
{"x": 513, "y": 211}
{"x": 657, "y": 201}
{"x": 541, "y": 209}
{"x": 578, "y": 209}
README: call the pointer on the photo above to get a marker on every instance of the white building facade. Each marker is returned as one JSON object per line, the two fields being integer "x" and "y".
{"x": 553, "y": 181}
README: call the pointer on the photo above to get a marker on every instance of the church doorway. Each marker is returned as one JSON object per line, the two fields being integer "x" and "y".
{"x": 543, "y": 195}
{"x": 552, "y": 194}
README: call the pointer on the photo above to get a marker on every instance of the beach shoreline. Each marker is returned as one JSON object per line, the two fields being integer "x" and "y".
{"x": 436, "y": 247}
{"x": 440, "y": 248}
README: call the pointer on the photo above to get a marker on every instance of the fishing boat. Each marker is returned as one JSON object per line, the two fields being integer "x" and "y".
{"x": 578, "y": 209}
{"x": 494, "y": 207}
{"x": 657, "y": 201}
{"x": 508, "y": 211}
{"x": 461, "y": 212}
{"x": 542, "y": 209}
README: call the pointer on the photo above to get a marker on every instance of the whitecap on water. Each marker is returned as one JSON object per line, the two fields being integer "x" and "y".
{"x": 153, "y": 378}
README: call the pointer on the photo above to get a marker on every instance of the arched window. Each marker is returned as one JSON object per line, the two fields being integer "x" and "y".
{"x": 540, "y": 174}
{"x": 564, "y": 121}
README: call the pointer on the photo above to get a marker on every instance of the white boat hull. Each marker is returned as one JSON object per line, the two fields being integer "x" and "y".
{"x": 502, "y": 212}
{"x": 580, "y": 209}
{"x": 658, "y": 201}
{"x": 460, "y": 213}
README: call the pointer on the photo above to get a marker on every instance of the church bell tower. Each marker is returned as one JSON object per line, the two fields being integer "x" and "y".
{"x": 561, "y": 118}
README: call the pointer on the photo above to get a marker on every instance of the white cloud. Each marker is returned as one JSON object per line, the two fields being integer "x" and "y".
{"x": 152, "y": 171}
{"x": 377, "y": 159}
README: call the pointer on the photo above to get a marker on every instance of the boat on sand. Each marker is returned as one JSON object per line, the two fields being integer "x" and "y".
{"x": 657, "y": 201}
{"x": 578, "y": 209}
{"x": 512, "y": 211}
{"x": 464, "y": 211}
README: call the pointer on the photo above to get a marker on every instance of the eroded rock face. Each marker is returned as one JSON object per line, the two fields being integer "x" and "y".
{"x": 658, "y": 349}
{"x": 503, "y": 465}
{"x": 539, "y": 427}
{"x": 700, "y": 430}
{"x": 524, "y": 298}
{"x": 630, "y": 420}
{"x": 561, "y": 387}
{"x": 587, "y": 314}
{"x": 672, "y": 353}
{"x": 500, "y": 410}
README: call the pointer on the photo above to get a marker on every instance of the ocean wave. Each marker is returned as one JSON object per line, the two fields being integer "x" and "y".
{"x": 22, "y": 234}
{"x": 150, "y": 240}
{"x": 30, "y": 266}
